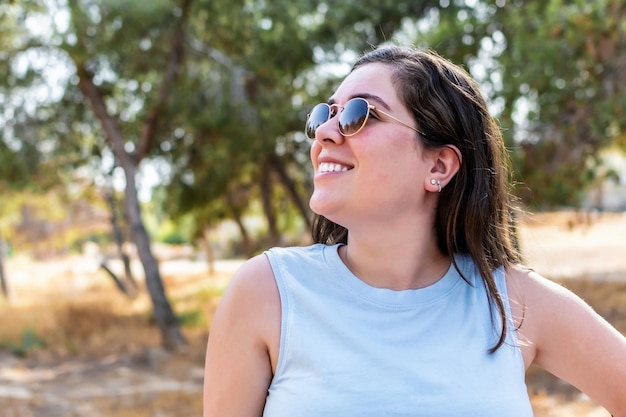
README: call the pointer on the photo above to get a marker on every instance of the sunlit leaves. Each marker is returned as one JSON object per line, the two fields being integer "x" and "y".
{"x": 568, "y": 55}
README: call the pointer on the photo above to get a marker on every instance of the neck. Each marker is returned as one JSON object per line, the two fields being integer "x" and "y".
{"x": 409, "y": 262}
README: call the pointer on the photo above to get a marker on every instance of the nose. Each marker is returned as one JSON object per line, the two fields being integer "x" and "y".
{"x": 328, "y": 132}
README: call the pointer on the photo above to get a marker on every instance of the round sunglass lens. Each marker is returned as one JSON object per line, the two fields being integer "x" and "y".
{"x": 353, "y": 117}
{"x": 319, "y": 115}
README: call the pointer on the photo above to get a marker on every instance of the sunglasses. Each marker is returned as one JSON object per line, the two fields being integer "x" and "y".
{"x": 352, "y": 117}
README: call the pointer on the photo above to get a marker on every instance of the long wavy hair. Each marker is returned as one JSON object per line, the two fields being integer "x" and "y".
{"x": 473, "y": 214}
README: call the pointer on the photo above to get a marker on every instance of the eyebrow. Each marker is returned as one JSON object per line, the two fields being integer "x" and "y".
{"x": 366, "y": 96}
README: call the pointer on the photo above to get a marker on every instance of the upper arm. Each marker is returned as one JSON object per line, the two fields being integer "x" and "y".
{"x": 573, "y": 342}
{"x": 242, "y": 342}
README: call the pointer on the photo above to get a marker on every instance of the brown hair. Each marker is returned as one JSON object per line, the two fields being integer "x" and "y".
{"x": 473, "y": 212}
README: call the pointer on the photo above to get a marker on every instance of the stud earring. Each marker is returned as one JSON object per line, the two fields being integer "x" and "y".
{"x": 434, "y": 181}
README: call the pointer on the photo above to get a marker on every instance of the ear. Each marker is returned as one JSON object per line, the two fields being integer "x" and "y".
{"x": 446, "y": 163}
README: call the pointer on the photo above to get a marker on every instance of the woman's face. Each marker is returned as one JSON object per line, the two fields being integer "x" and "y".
{"x": 380, "y": 172}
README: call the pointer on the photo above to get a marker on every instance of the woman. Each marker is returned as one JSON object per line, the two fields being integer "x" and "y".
{"x": 411, "y": 302}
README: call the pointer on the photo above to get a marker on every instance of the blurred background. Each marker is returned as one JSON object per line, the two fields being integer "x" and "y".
{"x": 148, "y": 147}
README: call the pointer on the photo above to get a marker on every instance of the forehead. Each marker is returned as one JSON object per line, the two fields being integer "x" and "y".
{"x": 370, "y": 79}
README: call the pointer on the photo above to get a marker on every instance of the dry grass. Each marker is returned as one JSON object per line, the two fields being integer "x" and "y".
{"x": 75, "y": 346}
{"x": 95, "y": 324}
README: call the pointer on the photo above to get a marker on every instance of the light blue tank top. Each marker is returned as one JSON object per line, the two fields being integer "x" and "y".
{"x": 349, "y": 349}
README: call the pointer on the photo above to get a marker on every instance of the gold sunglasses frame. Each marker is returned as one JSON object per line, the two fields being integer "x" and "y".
{"x": 370, "y": 107}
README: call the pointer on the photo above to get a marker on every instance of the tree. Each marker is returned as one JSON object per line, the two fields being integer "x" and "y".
{"x": 554, "y": 70}
{"x": 238, "y": 82}
{"x": 111, "y": 98}
{"x": 3, "y": 280}
{"x": 22, "y": 165}
{"x": 127, "y": 284}
{"x": 89, "y": 66}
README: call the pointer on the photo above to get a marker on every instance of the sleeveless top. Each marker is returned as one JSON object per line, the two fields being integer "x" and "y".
{"x": 350, "y": 349}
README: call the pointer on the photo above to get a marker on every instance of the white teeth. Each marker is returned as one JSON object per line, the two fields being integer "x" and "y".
{"x": 329, "y": 167}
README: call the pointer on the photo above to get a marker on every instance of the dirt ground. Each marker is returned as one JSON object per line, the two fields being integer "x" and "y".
{"x": 73, "y": 345}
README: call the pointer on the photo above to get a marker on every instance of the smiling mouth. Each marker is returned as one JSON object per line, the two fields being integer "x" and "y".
{"x": 332, "y": 167}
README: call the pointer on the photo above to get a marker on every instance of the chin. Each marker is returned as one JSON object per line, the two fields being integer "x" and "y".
{"x": 322, "y": 208}
{"x": 316, "y": 207}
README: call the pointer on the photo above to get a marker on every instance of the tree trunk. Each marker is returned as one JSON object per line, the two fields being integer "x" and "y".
{"x": 165, "y": 318}
{"x": 3, "y": 278}
{"x": 167, "y": 321}
{"x": 109, "y": 196}
{"x": 118, "y": 282}
{"x": 268, "y": 207}
{"x": 205, "y": 240}
{"x": 245, "y": 236}
{"x": 278, "y": 167}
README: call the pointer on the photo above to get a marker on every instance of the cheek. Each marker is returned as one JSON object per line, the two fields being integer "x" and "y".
{"x": 399, "y": 172}
{"x": 314, "y": 152}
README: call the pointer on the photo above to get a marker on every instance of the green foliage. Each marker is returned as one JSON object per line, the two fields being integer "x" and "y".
{"x": 172, "y": 234}
{"x": 192, "y": 318}
{"x": 28, "y": 342}
{"x": 251, "y": 70}
{"x": 563, "y": 58}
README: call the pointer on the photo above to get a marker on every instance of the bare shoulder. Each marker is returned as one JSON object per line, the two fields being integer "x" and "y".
{"x": 252, "y": 297}
{"x": 243, "y": 343}
{"x": 254, "y": 281}
{"x": 544, "y": 303}
{"x": 565, "y": 336}
{"x": 545, "y": 309}
{"x": 530, "y": 291}
{"x": 526, "y": 280}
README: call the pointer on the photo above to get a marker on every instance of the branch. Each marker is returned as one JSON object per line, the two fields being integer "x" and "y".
{"x": 240, "y": 73}
{"x": 279, "y": 167}
{"x": 175, "y": 61}
{"x": 112, "y": 131}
